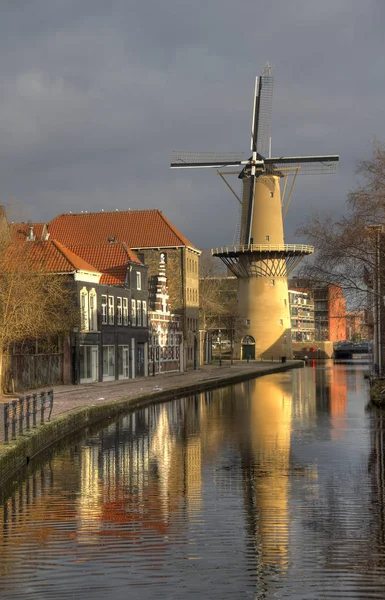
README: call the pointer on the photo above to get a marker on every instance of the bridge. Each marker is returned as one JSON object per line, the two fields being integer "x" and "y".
{"x": 351, "y": 349}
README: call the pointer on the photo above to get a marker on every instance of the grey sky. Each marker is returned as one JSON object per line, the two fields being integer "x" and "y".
{"x": 96, "y": 95}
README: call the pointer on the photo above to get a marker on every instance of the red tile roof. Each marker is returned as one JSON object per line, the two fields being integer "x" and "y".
{"x": 137, "y": 228}
{"x": 110, "y": 259}
{"x": 21, "y": 230}
{"x": 49, "y": 256}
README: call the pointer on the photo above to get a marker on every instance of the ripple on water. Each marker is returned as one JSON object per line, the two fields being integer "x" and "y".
{"x": 272, "y": 488}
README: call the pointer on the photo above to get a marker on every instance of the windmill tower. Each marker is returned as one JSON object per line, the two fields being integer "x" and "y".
{"x": 261, "y": 260}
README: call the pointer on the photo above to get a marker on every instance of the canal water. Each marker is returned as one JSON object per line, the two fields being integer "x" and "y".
{"x": 273, "y": 488}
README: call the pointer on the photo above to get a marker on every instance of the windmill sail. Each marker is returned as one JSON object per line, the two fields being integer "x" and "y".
{"x": 198, "y": 160}
{"x": 305, "y": 165}
{"x": 265, "y": 105}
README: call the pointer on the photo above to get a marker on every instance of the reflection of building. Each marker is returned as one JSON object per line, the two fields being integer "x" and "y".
{"x": 302, "y": 315}
{"x": 270, "y": 423}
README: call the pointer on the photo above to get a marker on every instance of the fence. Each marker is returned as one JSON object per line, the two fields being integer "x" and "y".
{"x": 26, "y": 412}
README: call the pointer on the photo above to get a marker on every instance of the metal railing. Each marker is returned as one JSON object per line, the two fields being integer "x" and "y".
{"x": 296, "y": 248}
{"x": 26, "y": 412}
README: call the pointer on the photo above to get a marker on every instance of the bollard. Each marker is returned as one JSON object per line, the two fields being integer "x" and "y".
{"x": 21, "y": 414}
{"x": 6, "y": 422}
{"x": 34, "y": 410}
{"x": 50, "y": 398}
{"x": 42, "y": 407}
{"x": 14, "y": 418}
{"x": 27, "y": 412}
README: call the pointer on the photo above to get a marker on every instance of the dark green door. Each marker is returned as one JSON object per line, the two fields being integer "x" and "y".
{"x": 248, "y": 351}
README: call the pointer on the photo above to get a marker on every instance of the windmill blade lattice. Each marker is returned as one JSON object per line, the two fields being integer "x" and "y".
{"x": 265, "y": 105}
{"x": 199, "y": 160}
{"x": 306, "y": 165}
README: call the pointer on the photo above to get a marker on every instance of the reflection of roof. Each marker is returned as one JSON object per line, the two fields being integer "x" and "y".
{"x": 110, "y": 259}
{"x": 48, "y": 256}
{"x": 137, "y": 228}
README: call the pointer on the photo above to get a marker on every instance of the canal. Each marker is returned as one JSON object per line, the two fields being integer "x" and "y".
{"x": 272, "y": 488}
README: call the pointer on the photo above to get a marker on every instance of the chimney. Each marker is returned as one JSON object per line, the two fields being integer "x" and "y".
{"x": 31, "y": 235}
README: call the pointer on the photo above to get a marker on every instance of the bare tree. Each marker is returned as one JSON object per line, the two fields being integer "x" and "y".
{"x": 33, "y": 301}
{"x": 212, "y": 303}
{"x": 347, "y": 248}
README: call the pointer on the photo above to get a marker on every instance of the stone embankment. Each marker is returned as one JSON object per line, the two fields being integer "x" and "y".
{"x": 77, "y": 407}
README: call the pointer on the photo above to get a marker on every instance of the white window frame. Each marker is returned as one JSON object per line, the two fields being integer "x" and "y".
{"x": 84, "y": 310}
{"x": 139, "y": 313}
{"x": 119, "y": 311}
{"x": 125, "y": 311}
{"x": 111, "y": 310}
{"x": 93, "y": 310}
{"x": 138, "y": 280}
{"x": 133, "y": 312}
{"x": 144, "y": 314}
{"x": 104, "y": 309}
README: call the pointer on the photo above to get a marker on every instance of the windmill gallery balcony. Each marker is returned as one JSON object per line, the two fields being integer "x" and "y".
{"x": 262, "y": 260}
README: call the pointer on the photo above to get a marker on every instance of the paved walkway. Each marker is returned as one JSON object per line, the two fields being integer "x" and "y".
{"x": 71, "y": 397}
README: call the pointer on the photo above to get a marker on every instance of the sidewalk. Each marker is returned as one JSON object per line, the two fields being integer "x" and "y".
{"x": 68, "y": 398}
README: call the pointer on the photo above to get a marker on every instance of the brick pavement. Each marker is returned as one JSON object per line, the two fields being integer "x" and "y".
{"x": 70, "y": 397}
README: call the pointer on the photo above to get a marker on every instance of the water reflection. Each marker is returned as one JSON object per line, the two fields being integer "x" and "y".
{"x": 244, "y": 490}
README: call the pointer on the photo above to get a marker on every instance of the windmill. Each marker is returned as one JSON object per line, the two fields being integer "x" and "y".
{"x": 261, "y": 260}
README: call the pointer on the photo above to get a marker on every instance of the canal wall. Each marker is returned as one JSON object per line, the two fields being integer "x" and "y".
{"x": 17, "y": 454}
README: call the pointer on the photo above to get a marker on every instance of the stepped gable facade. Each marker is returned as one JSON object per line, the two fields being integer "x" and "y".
{"x": 147, "y": 233}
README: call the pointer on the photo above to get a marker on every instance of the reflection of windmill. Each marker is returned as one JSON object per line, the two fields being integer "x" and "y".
{"x": 262, "y": 261}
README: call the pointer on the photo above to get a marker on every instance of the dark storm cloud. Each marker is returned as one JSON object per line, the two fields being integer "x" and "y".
{"x": 96, "y": 95}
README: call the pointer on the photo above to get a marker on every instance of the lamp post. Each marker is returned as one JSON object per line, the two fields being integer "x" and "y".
{"x": 220, "y": 347}
{"x": 377, "y": 342}
{"x": 195, "y": 350}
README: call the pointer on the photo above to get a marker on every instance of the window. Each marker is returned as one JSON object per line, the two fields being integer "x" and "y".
{"x": 271, "y": 194}
{"x": 104, "y": 310}
{"x": 108, "y": 362}
{"x": 93, "y": 310}
{"x": 111, "y": 310}
{"x": 138, "y": 280}
{"x": 133, "y": 312}
{"x": 285, "y": 301}
{"x": 268, "y": 238}
{"x": 139, "y": 313}
{"x": 281, "y": 321}
{"x": 144, "y": 313}
{"x": 119, "y": 313}
{"x": 125, "y": 311}
{"x": 84, "y": 310}
{"x": 272, "y": 282}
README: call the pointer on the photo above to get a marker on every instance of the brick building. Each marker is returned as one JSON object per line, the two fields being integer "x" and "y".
{"x": 329, "y": 308}
{"x": 147, "y": 232}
